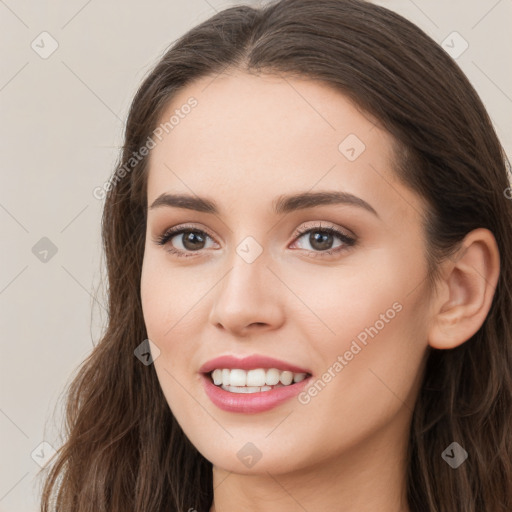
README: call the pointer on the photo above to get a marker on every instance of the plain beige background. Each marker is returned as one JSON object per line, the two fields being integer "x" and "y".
{"x": 62, "y": 121}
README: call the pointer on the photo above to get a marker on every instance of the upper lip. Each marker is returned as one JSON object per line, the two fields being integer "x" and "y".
{"x": 249, "y": 363}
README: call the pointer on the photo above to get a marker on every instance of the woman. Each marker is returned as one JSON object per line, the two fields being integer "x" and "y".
{"x": 309, "y": 298}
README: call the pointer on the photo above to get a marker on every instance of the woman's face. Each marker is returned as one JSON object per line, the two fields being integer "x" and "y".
{"x": 348, "y": 309}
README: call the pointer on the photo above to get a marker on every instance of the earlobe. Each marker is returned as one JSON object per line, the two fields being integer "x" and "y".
{"x": 465, "y": 291}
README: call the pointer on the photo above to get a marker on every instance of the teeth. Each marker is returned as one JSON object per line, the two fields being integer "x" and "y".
{"x": 259, "y": 379}
{"x": 286, "y": 378}
{"x": 217, "y": 376}
{"x": 272, "y": 377}
{"x": 237, "y": 378}
{"x": 247, "y": 389}
{"x": 298, "y": 377}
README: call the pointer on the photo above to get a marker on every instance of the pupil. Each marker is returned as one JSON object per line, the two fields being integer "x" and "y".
{"x": 320, "y": 241}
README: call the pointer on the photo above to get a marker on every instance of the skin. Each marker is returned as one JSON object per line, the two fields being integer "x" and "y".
{"x": 249, "y": 140}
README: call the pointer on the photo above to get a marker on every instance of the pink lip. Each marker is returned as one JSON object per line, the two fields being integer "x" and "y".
{"x": 249, "y": 363}
{"x": 250, "y": 402}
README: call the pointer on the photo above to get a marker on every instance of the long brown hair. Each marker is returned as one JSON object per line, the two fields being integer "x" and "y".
{"x": 124, "y": 450}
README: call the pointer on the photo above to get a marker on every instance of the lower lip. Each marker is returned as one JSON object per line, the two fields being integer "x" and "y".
{"x": 251, "y": 402}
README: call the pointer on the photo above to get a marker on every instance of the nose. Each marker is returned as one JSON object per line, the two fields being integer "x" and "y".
{"x": 248, "y": 299}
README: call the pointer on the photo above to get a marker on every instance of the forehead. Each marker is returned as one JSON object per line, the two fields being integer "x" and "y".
{"x": 250, "y": 138}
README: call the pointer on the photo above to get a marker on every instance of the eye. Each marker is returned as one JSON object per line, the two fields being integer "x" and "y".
{"x": 321, "y": 239}
{"x": 188, "y": 240}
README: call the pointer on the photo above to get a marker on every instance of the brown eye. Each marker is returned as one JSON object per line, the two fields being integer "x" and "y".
{"x": 183, "y": 240}
{"x": 192, "y": 240}
{"x": 321, "y": 240}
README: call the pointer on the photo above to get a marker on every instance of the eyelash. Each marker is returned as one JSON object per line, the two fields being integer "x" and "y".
{"x": 348, "y": 241}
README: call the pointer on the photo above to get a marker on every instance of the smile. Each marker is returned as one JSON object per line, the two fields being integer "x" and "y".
{"x": 252, "y": 399}
{"x": 251, "y": 384}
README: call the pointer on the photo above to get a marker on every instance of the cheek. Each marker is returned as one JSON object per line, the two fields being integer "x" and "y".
{"x": 373, "y": 362}
{"x": 174, "y": 317}
{"x": 368, "y": 330}
{"x": 338, "y": 303}
{"x": 370, "y": 373}
{"x": 153, "y": 297}
{"x": 168, "y": 296}
{"x": 172, "y": 324}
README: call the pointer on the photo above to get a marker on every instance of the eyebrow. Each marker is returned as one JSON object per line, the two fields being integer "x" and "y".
{"x": 282, "y": 204}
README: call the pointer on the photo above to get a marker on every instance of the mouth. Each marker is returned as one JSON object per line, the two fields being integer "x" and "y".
{"x": 233, "y": 396}
{"x": 257, "y": 380}
{"x": 252, "y": 384}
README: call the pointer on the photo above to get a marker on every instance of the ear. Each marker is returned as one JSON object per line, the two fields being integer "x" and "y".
{"x": 465, "y": 291}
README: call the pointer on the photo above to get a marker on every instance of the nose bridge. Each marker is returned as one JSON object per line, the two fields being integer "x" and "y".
{"x": 246, "y": 277}
{"x": 246, "y": 294}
